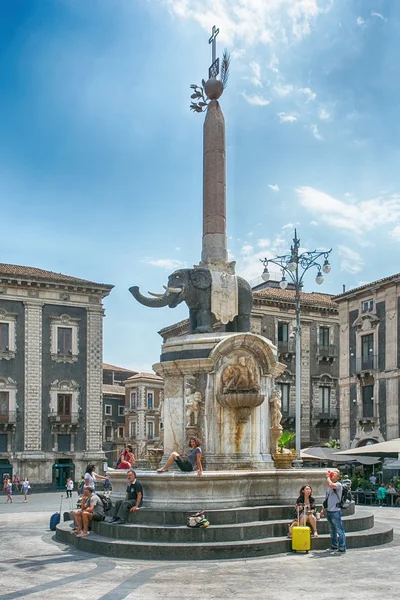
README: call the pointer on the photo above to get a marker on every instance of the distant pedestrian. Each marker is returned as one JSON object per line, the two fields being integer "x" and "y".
{"x": 26, "y": 486}
{"x": 16, "y": 483}
{"x": 381, "y": 495}
{"x": 7, "y": 487}
{"x": 372, "y": 480}
{"x": 70, "y": 487}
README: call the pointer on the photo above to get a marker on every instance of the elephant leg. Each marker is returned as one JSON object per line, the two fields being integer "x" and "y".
{"x": 192, "y": 320}
{"x": 243, "y": 323}
{"x": 204, "y": 321}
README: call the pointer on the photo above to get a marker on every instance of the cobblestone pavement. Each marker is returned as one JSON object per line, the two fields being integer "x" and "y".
{"x": 34, "y": 565}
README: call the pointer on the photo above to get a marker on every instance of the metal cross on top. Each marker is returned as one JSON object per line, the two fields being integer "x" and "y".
{"x": 214, "y": 69}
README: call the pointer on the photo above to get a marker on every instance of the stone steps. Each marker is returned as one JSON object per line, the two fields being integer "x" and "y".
{"x": 130, "y": 549}
{"x": 216, "y": 533}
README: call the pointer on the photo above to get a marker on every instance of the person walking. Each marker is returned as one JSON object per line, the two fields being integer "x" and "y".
{"x": 381, "y": 495}
{"x": 16, "y": 483}
{"x": 334, "y": 512}
{"x": 133, "y": 499}
{"x": 26, "y": 486}
{"x": 7, "y": 487}
{"x": 70, "y": 487}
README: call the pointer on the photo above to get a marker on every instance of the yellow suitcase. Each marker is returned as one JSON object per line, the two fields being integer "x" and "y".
{"x": 301, "y": 539}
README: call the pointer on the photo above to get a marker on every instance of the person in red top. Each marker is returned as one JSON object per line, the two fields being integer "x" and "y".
{"x": 127, "y": 458}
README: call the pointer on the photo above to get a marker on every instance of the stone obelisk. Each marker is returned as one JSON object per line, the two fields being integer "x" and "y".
{"x": 214, "y": 247}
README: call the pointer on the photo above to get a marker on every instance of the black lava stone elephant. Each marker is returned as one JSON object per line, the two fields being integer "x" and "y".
{"x": 193, "y": 286}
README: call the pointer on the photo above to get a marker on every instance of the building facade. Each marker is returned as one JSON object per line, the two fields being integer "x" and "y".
{"x": 114, "y": 430}
{"x": 51, "y": 344}
{"x": 143, "y": 409}
{"x": 273, "y": 316}
{"x": 369, "y": 362}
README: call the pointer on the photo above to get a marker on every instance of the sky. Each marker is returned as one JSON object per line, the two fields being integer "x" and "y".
{"x": 101, "y": 158}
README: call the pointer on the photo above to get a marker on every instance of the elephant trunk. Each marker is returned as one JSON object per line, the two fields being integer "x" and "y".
{"x": 158, "y": 302}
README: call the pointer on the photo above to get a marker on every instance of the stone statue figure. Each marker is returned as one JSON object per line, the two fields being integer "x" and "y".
{"x": 194, "y": 286}
{"x": 275, "y": 417}
{"x": 240, "y": 376}
{"x": 192, "y": 409}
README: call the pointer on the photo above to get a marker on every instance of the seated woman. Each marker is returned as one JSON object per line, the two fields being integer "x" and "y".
{"x": 305, "y": 505}
{"x": 193, "y": 462}
{"x": 127, "y": 458}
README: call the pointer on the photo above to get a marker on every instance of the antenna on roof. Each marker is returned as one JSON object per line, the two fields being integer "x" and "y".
{"x": 344, "y": 288}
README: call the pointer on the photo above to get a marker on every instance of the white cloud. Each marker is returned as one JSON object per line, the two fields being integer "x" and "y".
{"x": 323, "y": 114}
{"x": 255, "y": 99}
{"x": 315, "y": 223}
{"x": 352, "y": 216}
{"x": 376, "y": 14}
{"x": 396, "y": 233}
{"x": 360, "y": 21}
{"x": 315, "y": 132}
{"x": 248, "y": 263}
{"x": 288, "y": 226}
{"x": 251, "y": 21}
{"x": 165, "y": 263}
{"x": 255, "y": 67}
{"x": 274, "y": 187}
{"x": 273, "y": 64}
{"x": 286, "y": 118}
{"x": 237, "y": 53}
{"x": 283, "y": 89}
{"x": 263, "y": 243}
{"x": 350, "y": 260}
{"x": 310, "y": 95}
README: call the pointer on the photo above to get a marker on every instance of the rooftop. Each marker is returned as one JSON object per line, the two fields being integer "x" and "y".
{"x": 308, "y": 299}
{"x": 115, "y": 390}
{"x": 367, "y": 286}
{"x": 145, "y": 376}
{"x": 21, "y": 272}
{"x": 107, "y": 367}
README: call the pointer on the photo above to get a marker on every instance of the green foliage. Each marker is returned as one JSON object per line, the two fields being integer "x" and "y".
{"x": 285, "y": 441}
{"x": 333, "y": 444}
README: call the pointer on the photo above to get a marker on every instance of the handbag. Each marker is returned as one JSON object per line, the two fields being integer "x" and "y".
{"x": 325, "y": 503}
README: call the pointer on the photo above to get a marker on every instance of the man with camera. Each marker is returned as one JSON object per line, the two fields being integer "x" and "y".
{"x": 333, "y": 511}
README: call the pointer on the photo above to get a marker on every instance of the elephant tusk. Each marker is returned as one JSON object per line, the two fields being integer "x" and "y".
{"x": 172, "y": 290}
{"x": 155, "y": 295}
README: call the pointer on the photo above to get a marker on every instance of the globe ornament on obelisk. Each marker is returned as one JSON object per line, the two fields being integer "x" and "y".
{"x": 214, "y": 254}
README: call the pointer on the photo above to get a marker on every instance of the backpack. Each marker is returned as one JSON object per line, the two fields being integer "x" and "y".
{"x": 346, "y": 498}
{"x": 198, "y": 520}
{"x": 107, "y": 504}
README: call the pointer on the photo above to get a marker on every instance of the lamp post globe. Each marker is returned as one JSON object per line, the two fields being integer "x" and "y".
{"x": 265, "y": 275}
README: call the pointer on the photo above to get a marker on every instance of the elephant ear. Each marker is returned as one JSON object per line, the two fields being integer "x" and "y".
{"x": 201, "y": 278}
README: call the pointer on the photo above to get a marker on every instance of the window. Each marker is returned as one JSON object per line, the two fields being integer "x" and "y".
{"x": 324, "y": 337}
{"x": 150, "y": 430}
{"x": 150, "y": 400}
{"x": 367, "y": 305}
{"x": 108, "y": 432}
{"x": 285, "y": 391}
{"x": 64, "y": 442}
{"x": 133, "y": 430}
{"x": 325, "y": 399}
{"x": 64, "y": 340}
{"x": 64, "y": 402}
{"x": 367, "y": 351}
{"x": 4, "y": 337}
{"x": 133, "y": 400}
{"x": 3, "y": 442}
{"x": 108, "y": 409}
{"x": 283, "y": 332}
{"x": 368, "y": 401}
{"x": 121, "y": 411}
{"x": 4, "y": 399}
{"x": 120, "y": 432}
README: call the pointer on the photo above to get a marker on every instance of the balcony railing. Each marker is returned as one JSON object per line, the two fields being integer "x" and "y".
{"x": 73, "y": 418}
{"x": 329, "y": 351}
{"x": 9, "y": 417}
{"x": 287, "y": 347}
{"x": 329, "y": 415}
{"x": 366, "y": 364}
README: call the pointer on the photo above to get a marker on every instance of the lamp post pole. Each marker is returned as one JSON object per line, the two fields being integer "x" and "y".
{"x": 295, "y": 265}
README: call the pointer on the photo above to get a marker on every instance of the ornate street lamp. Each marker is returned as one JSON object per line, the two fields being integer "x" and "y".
{"x": 295, "y": 265}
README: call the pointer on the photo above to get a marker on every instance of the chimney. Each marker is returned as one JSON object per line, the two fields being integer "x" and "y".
{"x": 344, "y": 288}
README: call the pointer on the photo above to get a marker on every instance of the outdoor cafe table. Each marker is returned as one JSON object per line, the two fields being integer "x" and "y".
{"x": 392, "y": 497}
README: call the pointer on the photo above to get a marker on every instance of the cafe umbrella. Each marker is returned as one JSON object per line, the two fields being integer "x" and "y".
{"x": 330, "y": 455}
{"x": 389, "y": 449}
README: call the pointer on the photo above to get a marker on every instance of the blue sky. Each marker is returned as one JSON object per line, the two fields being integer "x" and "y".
{"x": 101, "y": 159}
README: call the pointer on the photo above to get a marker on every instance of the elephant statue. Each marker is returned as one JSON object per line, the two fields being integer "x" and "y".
{"x": 193, "y": 286}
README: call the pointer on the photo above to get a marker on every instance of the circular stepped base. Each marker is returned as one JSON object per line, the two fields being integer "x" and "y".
{"x": 234, "y": 533}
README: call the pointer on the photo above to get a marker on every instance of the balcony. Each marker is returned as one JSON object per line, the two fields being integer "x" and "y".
{"x": 325, "y": 419}
{"x": 130, "y": 410}
{"x": 327, "y": 354}
{"x": 8, "y": 420}
{"x": 287, "y": 350}
{"x": 288, "y": 417}
{"x": 367, "y": 365}
{"x": 71, "y": 419}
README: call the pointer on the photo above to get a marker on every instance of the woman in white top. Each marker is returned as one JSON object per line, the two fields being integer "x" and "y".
{"x": 91, "y": 476}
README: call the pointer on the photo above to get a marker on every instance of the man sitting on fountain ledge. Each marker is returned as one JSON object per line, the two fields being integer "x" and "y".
{"x": 193, "y": 462}
{"x": 133, "y": 499}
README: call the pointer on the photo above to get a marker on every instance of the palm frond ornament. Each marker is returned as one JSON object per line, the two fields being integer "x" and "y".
{"x": 213, "y": 88}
